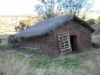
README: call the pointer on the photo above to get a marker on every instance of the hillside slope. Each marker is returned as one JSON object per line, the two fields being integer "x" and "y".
{"x": 85, "y": 63}
{"x": 7, "y": 24}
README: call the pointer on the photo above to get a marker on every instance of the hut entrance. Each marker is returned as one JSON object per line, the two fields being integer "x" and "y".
{"x": 73, "y": 40}
{"x": 64, "y": 43}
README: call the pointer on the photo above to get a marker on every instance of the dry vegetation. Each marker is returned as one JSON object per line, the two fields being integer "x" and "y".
{"x": 85, "y": 63}
{"x": 8, "y": 23}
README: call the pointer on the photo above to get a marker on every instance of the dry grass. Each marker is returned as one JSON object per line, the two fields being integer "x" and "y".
{"x": 86, "y": 63}
{"x": 13, "y": 64}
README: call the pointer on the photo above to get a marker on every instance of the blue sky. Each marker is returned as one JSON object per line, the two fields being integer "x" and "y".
{"x": 25, "y": 7}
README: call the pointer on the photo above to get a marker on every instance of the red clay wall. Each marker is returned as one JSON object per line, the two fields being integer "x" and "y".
{"x": 49, "y": 44}
{"x": 82, "y": 33}
{"x": 44, "y": 44}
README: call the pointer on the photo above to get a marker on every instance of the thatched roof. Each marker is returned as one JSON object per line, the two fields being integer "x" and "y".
{"x": 47, "y": 25}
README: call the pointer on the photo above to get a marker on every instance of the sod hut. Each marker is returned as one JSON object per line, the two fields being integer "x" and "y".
{"x": 58, "y": 35}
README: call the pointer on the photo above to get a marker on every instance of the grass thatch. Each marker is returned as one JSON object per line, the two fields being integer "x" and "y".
{"x": 48, "y": 25}
{"x": 45, "y": 26}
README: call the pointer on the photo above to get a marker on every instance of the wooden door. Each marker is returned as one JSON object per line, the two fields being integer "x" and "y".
{"x": 64, "y": 43}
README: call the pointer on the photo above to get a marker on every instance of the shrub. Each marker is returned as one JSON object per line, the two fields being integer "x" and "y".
{"x": 0, "y": 40}
{"x": 99, "y": 20}
{"x": 95, "y": 45}
{"x": 13, "y": 42}
{"x": 91, "y": 21}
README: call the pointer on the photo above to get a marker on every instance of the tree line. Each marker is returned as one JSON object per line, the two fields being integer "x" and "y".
{"x": 50, "y": 8}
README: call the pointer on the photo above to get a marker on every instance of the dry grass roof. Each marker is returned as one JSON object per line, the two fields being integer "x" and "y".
{"x": 47, "y": 25}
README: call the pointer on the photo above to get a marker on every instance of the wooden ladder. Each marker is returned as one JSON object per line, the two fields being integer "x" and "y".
{"x": 64, "y": 43}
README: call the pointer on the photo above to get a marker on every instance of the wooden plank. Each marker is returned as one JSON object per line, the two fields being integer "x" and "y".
{"x": 64, "y": 43}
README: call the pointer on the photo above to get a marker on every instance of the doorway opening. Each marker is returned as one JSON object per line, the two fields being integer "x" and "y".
{"x": 73, "y": 41}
